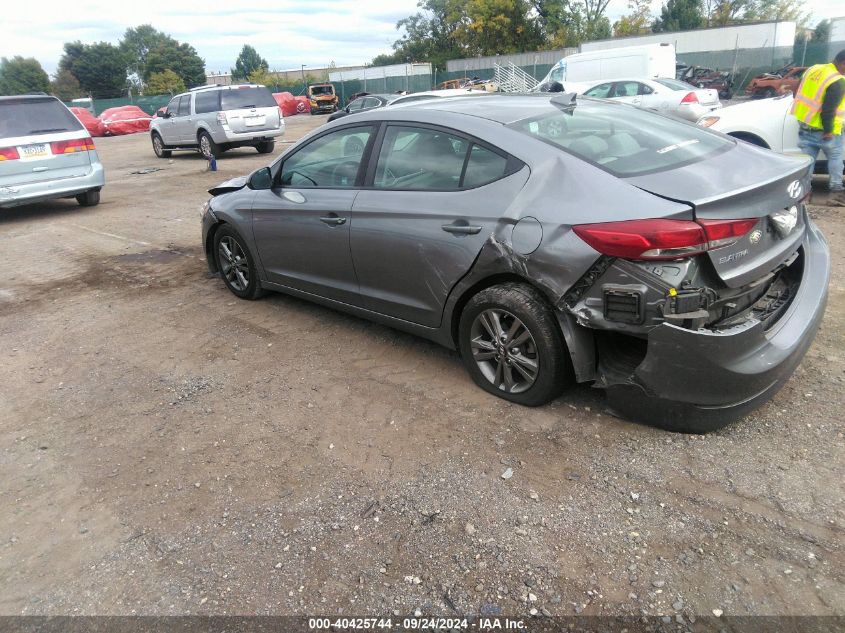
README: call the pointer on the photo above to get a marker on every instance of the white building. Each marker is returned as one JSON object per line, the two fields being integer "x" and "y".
{"x": 762, "y": 35}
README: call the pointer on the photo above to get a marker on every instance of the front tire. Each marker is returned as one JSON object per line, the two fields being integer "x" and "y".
{"x": 158, "y": 146}
{"x": 207, "y": 146}
{"x": 266, "y": 147}
{"x": 88, "y": 199}
{"x": 236, "y": 264}
{"x": 511, "y": 345}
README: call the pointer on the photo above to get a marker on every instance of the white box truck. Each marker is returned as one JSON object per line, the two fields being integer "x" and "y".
{"x": 649, "y": 61}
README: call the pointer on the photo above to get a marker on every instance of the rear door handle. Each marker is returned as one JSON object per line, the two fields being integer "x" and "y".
{"x": 333, "y": 220}
{"x": 461, "y": 229}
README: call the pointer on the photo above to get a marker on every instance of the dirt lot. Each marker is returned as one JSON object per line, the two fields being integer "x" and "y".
{"x": 169, "y": 449}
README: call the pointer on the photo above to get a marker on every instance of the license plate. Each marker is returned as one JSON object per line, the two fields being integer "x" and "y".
{"x": 29, "y": 152}
{"x": 254, "y": 120}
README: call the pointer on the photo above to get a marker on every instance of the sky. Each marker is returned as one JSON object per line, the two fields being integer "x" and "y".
{"x": 287, "y": 33}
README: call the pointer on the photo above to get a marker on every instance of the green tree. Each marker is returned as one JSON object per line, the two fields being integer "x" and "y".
{"x": 490, "y": 27}
{"x": 65, "y": 86}
{"x": 100, "y": 68}
{"x": 822, "y": 31}
{"x": 264, "y": 77}
{"x": 137, "y": 43}
{"x": 165, "y": 82}
{"x": 22, "y": 75}
{"x": 570, "y": 22}
{"x": 636, "y": 22}
{"x": 182, "y": 59}
{"x": 679, "y": 15}
{"x": 248, "y": 61}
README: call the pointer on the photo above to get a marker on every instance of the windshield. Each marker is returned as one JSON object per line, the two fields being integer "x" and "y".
{"x": 622, "y": 140}
{"x": 246, "y": 97}
{"x": 322, "y": 90}
{"x": 674, "y": 84}
{"x": 27, "y": 117}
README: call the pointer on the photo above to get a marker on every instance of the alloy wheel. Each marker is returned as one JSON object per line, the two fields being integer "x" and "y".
{"x": 233, "y": 263}
{"x": 157, "y": 145}
{"x": 205, "y": 146}
{"x": 504, "y": 350}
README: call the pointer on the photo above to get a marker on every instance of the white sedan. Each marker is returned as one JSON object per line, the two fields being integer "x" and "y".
{"x": 766, "y": 122}
{"x": 667, "y": 96}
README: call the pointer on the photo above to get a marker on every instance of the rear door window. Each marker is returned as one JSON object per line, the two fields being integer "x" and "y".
{"x": 31, "y": 117}
{"x": 184, "y": 105}
{"x": 420, "y": 159}
{"x": 246, "y": 97}
{"x": 207, "y": 101}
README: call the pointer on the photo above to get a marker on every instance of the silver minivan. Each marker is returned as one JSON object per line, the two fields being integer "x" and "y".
{"x": 45, "y": 153}
{"x": 212, "y": 119}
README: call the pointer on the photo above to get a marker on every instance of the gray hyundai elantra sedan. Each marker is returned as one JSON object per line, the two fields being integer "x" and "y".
{"x": 550, "y": 240}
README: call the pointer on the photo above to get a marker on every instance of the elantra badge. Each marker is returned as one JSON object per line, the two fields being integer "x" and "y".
{"x": 795, "y": 189}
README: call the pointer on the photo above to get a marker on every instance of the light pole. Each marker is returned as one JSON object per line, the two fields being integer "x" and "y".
{"x": 302, "y": 70}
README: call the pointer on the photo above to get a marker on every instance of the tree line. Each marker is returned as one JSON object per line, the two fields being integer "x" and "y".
{"x": 144, "y": 60}
{"x": 455, "y": 29}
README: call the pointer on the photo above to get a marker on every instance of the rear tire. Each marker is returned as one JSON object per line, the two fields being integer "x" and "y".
{"x": 511, "y": 345}
{"x": 158, "y": 146}
{"x": 236, "y": 264}
{"x": 266, "y": 147}
{"x": 207, "y": 146}
{"x": 88, "y": 199}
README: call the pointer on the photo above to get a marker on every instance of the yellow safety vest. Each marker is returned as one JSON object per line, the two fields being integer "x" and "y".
{"x": 807, "y": 106}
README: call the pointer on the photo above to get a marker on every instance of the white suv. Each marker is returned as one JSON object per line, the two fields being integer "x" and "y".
{"x": 212, "y": 119}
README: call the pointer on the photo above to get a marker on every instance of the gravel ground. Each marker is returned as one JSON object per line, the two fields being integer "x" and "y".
{"x": 169, "y": 449}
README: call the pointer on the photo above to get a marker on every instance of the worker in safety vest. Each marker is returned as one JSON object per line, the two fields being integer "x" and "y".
{"x": 820, "y": 109}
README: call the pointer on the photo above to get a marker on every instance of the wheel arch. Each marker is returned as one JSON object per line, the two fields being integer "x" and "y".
{"x": 486, "y": 282}
{"x": 209, "y": 245}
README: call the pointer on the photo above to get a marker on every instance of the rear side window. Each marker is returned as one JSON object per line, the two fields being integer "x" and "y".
{"x": 483, "y": 166}
{"x": 207, "y": 101}
{"x": 31, "y": 117}
{"x": 246, "y": 97}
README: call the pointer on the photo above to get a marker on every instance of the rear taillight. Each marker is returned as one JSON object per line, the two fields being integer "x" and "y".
{"x": 691, "y": 97}
{"x": 661, "y": 239}
{"x": 9, "y": 153}
{"x": 73, "y": 145}
{"x": 221, "y": 118}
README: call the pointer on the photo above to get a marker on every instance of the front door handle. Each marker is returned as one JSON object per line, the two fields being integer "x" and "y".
{"x": 461, "y": 229}
{"x": 333, "y": 220}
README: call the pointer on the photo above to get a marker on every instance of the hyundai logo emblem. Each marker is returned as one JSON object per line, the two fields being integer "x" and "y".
{"x": 795, "y": 189}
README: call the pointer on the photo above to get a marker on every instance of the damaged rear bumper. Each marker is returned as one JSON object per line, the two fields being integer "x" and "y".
{"x": 700, "y": 380}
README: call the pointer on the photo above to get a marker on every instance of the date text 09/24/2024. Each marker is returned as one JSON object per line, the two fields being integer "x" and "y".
{"x": 416, "y": 624}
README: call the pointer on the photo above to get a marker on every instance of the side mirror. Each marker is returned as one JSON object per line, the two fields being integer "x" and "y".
{"x": 165, "y": 115}
{"x": 261, "y": 179}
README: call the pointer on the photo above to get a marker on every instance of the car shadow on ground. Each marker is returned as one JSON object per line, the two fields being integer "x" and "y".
{"x": 576, "y": 396}
{"x": 42, "y": 210}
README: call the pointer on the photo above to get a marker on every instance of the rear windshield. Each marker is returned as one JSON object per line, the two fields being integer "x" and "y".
{"x": 675, "y": 84}
{"x": 622, "y": 140}
{"x": 322, "y": 90}
{"x": 31, "y": 117}
{"x": 248, "y": 97}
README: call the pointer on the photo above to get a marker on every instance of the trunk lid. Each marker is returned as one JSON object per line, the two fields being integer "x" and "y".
{"x": 707, "y": 97}
{"x": 718, "y": 189}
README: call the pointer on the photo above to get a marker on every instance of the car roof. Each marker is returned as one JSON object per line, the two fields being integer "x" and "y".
{"x": 500, "y": 107}
{"x": 40, "y": 96}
